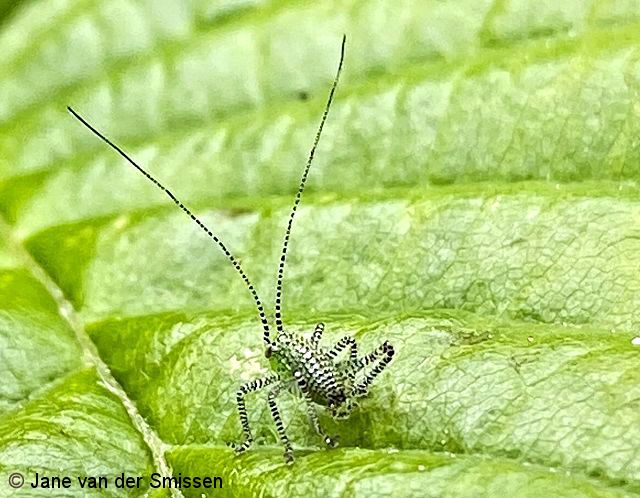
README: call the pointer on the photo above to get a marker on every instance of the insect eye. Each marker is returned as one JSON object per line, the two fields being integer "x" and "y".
{"x": 269, "y": 351}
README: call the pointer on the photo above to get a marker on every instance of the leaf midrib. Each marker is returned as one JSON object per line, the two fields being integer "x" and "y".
{"x": 156, "y": 446}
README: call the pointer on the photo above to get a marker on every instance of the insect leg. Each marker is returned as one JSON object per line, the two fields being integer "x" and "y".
{"x": 384, "y": 353}
{"x": 346, "y": 341}
{"x": 313, "y": 417}
{"x": 275, "y": 413}
{"x": 359, "y": 363}
{"x": 245, "y": 389}
{"x": 317, "y": 334}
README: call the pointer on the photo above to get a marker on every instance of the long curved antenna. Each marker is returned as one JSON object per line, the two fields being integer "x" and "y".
{"x": 234, "y": 262}
{"x": 296, "y": 202}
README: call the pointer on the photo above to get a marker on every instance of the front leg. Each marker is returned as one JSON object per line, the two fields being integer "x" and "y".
{"x": 275, "y": 413}
{"x": 245, "y": 389}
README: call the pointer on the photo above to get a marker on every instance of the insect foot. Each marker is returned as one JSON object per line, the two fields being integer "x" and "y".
{"x": 299, "y": 365}
{"x": 332, "y": 442}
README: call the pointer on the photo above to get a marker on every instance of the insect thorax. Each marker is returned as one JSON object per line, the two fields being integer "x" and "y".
{"x": 311, "y": 369}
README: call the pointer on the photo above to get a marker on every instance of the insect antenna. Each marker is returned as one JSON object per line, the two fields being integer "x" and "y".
{"x": 296, "y": 202}
{"x": 177, "y": 202}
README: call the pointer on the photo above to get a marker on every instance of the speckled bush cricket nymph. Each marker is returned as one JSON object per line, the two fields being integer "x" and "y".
{"x": 299, "y": 364}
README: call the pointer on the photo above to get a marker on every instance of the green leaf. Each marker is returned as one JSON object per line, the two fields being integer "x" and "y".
{"x": 474, "y": 201}
{"x": 58, "y": 415}
{"x": 387, "y": 473}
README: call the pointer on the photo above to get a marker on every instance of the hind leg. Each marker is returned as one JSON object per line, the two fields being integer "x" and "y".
{"x": 317, "y": 334}
{"x": 380, "y": 358}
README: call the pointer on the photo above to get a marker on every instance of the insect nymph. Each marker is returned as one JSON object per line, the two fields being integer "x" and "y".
{"x": 299, "y": 364}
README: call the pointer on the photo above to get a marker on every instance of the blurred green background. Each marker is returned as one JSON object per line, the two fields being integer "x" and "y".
{"x": 474, "y": 201}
